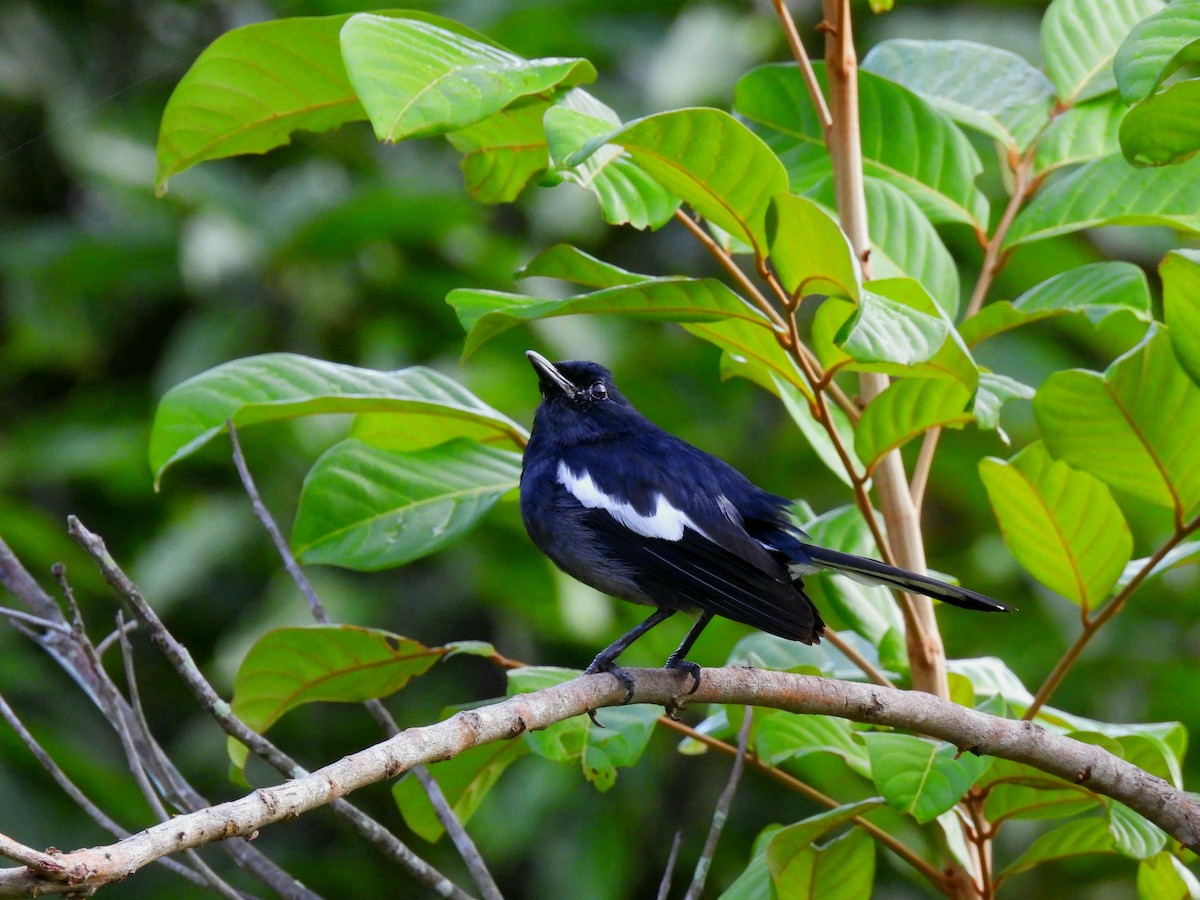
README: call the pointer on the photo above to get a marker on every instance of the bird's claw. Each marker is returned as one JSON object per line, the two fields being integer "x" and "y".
{"x": 691, "y": 668}
{"x": 600, "y": 664}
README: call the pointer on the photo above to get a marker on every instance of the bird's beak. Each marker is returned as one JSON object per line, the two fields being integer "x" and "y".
{"x": 549, "y": 376}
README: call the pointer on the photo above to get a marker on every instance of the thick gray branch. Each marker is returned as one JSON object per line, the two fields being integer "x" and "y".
{"x": 967, "y": 729}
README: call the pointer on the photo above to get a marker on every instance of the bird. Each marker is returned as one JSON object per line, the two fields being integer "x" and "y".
{"x": 641, "y": 515}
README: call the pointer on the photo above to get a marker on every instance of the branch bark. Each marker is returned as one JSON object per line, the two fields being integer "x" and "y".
{"x": 972, "y": 731}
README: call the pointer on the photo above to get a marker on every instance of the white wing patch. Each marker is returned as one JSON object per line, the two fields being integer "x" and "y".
{"x": 665, "y": 522}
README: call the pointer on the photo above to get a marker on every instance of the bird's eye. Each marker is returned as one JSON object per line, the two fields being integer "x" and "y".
{"x": 599, "y": 391}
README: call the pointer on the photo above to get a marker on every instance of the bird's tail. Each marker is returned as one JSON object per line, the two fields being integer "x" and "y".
{"x": 871, "y": 571}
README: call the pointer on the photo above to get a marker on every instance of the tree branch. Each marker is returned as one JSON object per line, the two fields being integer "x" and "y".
{"x": 1084, "y": 764}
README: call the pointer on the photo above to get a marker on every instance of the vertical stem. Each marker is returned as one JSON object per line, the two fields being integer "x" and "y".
{"x": 927, "y": 656}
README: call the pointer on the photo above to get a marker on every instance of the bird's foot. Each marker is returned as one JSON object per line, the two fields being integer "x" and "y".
{"x": 691, "y": 668}
{"x": 604, "y": 664}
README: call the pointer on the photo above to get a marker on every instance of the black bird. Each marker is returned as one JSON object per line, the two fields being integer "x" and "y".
{"x": 640, "y": 514}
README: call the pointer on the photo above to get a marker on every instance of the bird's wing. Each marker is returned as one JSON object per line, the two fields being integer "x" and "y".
{"x": 682, "y": 539}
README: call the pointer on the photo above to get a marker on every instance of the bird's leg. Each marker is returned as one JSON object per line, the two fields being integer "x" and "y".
{"x": 676, "y": 660}
{"x": 605, "y": 659}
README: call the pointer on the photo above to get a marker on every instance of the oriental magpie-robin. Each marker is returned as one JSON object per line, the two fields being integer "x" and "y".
{"x": 639, "y": 514}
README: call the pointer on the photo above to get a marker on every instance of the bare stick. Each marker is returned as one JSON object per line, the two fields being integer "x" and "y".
{"x": 34, "y": 621}
{"x": 721, "y": 813}
{"x": 179, "y": 656}
{"x": 1086, "y": 764}
{"x": 454, "y": 828}
{"x": 869, "y": 669}
{"x": 664, "y": 886}
{"x": 40, "y": 862}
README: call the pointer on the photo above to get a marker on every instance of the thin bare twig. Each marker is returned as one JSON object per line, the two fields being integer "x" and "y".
{"x": 35, "y": 621}
{"x": 806, "y": 68}
{"x": 179, "y": 656}
{"x": 80, "y": 799}
{"x": 454, "y": 828}
{"x": 869, "y": 669}
{"x": 664, "y": 886}
{"x": 721, "y": 812}
{"x": 40, "y": 862}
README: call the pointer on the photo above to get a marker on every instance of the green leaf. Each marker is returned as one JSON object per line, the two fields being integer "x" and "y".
{"x": 905, "y": 141}
{"x": 991, "y": 90}
{"x": 289, "y": 667}
{"x": 1132, "y": 427}
{"x": 751, "y": 349}
{"x": 1097, "y": 290}
{"x": 278, "y": 386}
{"x": 919, "y": 777}
{"x": 1018, "y": 791}
{"x": 415, "y": 78}
{"x": 503, "y": 152}
{"x": 1078, "y": 837}
{"x": 711, "y": 161}
{"x": 1163, "y": 877}
{"x": 465, "y": 779}
{"x": 844, "y": 869}
{"x": 783, "y": 736}
{"x": 1061, "y": 524}
{"x": 1080, "y": 39}
{"x": 628, "y": 195}
{"x": 599, "y": 751}
{"x": 571, "y": 264}
{"x": 368, "y": 508}
{"x": 255, "y": 86}
{"x": 809, "y": 252}
{"x": 1155, "y": 48}
{"x": 1184, "y": 554}
{"x": 1081, "y": 134}
{"x": 896, "y": 328}
{"x": 485, "y": 314}
{"x": 755, "y": 881}
{"x": 908, "y": 246}
{"x": 1162, "y": 130}
{"x": 797, "y": 406}
{"x": 993, "y": 392}
{"x": 1109, "y": 191}
{"x": 906, "y": 409}
{"x": 1180, "y": 273}
{"x": 869, "y": 610}
{"x": 1133, "y": 834}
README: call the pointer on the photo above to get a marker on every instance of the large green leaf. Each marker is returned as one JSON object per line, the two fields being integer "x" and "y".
{"x": 1080, "y": 39}
{"x": 598, "y": 751}
{"x": 809, "y": 252}
{"x": 415, "y": 78}
{"x": 842, "y": 869}
{"x": 1133, "y": 834}
{"x": 1018, "y": 791}
{"x": 279, "y": 386}
{"x": 1132, "y": 427}
{"x": 1180, "y": 273}
{"x": 796, "y": 403}
{"x": 289, "y": 667}
{"x": 571, "y": 264}
{"x": 1164, "y": 876}
{"x": 779, "y": 737}
{"x": 503, "y": 152}
{"x": 993, "y": 392}
{"x": 368, "y": 508}
{"x": 253, "y": 87}
{"x": 1081, "y": 134}
{"x": 1163, "y": 130}
{"x": 485, "y": 314}
{"x": 1109, "y": 191}
{"x": 1062, "y": 524}
{"x": 905, "y": 141}
{"x": 627, "y": 194}
{"x": 708, "y": 159}
{"x": 464, "y": 779}
{"x": 920, "y": 777}
{"x": 1077, "y": 837}
{"x": 1097, "y": 290}
{"x": 755, "y": 881}
{"x": 985, "y": 88}
{"x": 906, "y": 409}
{"x": 1155, "y": 48}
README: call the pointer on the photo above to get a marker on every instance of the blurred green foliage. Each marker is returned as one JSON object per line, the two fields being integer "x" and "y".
{"x": 344, "y": 249}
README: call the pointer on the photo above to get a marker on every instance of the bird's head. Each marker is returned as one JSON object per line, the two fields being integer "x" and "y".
{"x": 579, "y": 399}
